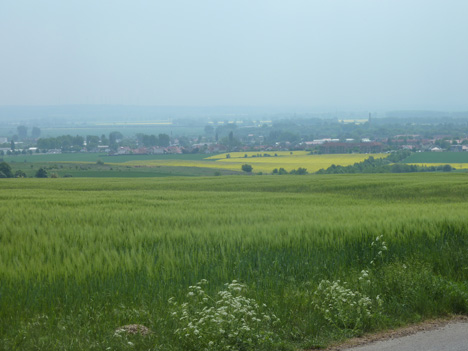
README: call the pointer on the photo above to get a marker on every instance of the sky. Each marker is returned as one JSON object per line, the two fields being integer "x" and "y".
{"x": 330, "y": 54}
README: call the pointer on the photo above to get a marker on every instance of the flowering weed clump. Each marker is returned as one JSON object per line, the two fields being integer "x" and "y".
{"x": 350, "y": 309}
{"x": 345, "y": 308}
{"x": 227, "y": 321}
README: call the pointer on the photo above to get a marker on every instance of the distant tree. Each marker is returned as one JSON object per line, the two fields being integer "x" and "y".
{"x": 92, "y": 142}
{"x": 247, "y": 168}
{"x": 209, "y": 129}
{"x": 114, "y": 138}
{"x": 443, "y": 143}
{"x": 282, "y": 171}
{"x": 447, "y": 168}
{"x": 163, "y": 140}
{"x": 20, "y": 174}
{"x": 78, "y": 141}
{"x": 275, "y": 171}
{"x": 104, "y": 140}
{"x": 299, "y": 171}
{"x": 5, "y": 169}
{"x": 230, "y": 142}
{"x": 41, "y": 173}
{"x": 12, "y": 145}
{"x": 184, "y": 141}
{"x": 149, "y": 140}
{"x": 36, "y": 132}
{"x": 22, "y": 132}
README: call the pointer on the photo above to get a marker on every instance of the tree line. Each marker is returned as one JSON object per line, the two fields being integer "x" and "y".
{"x": 384, "y": 165}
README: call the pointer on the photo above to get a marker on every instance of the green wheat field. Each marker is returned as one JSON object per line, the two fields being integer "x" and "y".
{"x": 80, "y": 258}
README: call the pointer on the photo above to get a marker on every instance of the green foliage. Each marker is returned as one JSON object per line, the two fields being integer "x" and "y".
{"x": 383, "y": 165}
{"x": 282, "y": 171}
{"x": 5, "y": 170}
{"x": 299, "y": 171}
{"x": 64, "y": 142}
{"x": 163, "y": 140}
{"x": 41, "y": 173}
{"x": 20, "y": 174}
{"x": 36, "y": 132}
{"x": 247, "y": 168}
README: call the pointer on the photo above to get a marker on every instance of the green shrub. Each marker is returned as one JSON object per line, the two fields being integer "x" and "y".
{"x": 247, "y": 168}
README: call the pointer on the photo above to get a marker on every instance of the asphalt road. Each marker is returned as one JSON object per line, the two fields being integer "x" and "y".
{"x": 452, "y": 337}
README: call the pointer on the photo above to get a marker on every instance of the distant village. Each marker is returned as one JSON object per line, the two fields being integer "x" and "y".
{"x": 229, "y": 138}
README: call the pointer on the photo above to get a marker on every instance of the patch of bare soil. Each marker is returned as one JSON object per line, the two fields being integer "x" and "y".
{"x": 133, "y": 329}
{"x": 397, "y": 333}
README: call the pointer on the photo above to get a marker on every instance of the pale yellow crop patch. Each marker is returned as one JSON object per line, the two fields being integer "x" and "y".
{"x": 286, "y": 160}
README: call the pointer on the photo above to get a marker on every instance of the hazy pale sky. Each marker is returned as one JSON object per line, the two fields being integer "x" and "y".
{"x": 389, "y": 54}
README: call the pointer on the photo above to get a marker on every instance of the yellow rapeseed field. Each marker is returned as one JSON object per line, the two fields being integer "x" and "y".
{"x": 266, "y": 164}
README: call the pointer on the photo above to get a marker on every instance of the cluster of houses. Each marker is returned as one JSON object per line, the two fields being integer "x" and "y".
{"x": 323, "y": 146}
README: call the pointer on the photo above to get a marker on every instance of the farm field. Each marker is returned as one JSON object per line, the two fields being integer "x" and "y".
{"x": 81, "y": 257}
{"x": 458, "y": 160}
{"x": 87, "y": 170}
{"x": 264, "y": 162}
{"x": 438, "y": 157}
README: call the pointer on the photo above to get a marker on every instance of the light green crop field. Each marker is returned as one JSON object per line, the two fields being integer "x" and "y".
{"x": 81, "y": 257}
{"x": 438, "y": 157}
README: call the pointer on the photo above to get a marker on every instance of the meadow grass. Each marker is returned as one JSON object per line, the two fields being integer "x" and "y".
{"x": 81, "y": 257}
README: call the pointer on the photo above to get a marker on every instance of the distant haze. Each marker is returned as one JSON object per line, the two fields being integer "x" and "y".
{"x": 329, "y": 54}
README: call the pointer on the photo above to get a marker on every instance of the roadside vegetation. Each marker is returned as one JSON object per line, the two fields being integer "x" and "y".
{"x": 286, "y": 262}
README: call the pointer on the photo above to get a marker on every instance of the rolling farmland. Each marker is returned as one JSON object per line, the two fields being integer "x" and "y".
{"x": 264, "y": 162}
{"x": 81, "y": 257}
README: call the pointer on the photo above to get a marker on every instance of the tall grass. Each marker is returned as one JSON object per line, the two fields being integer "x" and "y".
{"x": 79, "y": 258}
